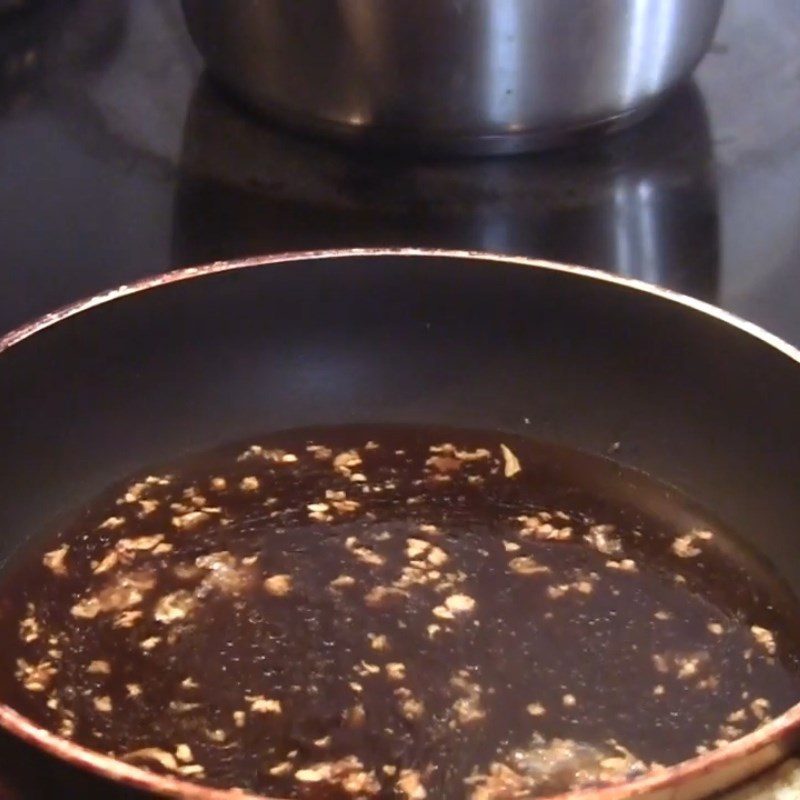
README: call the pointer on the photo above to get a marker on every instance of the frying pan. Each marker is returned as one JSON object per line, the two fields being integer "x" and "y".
{"x": 183, "y": 362}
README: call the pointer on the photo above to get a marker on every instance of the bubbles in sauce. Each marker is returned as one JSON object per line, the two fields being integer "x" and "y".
{"x": 391, "y": 612}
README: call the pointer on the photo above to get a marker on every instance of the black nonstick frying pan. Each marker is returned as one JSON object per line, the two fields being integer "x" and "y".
{"x": 670, "y": 386}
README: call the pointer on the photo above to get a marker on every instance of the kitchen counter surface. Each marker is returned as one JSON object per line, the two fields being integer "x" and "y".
{"x": 120, "y": 159}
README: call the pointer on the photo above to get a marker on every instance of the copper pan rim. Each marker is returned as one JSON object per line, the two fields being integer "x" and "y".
{"x": 688, "y": 780}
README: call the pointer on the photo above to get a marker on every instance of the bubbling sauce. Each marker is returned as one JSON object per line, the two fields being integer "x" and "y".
{"x": 396, "y": 612}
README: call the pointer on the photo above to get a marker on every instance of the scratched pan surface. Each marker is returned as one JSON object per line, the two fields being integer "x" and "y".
{"x": 559, "y": 355}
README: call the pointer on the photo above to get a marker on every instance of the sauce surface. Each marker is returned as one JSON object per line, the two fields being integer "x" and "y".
{"x": 391, "y": 612}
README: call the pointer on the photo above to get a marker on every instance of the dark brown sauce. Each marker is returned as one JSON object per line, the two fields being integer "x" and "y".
{"x": 396, "y": 612}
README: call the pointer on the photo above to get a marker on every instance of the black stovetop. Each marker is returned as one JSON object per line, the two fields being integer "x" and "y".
{"x": 119, "y": 159}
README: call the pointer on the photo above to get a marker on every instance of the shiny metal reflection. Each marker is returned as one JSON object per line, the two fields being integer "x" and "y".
{"x": 460, "y": 76}
{"x": 641, "y": 204}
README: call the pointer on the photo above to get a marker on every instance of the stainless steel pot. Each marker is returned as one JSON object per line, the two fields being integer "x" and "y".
{"x": 480, "y": 76}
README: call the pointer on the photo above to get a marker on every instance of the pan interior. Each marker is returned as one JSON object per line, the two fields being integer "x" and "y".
{"x": 396, "y": 611}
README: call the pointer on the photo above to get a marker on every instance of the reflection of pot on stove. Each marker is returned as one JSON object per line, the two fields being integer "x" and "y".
{"x": 641, "y": 203}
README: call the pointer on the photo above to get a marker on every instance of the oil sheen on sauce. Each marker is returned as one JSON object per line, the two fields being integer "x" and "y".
{"x": 395, "y": 612}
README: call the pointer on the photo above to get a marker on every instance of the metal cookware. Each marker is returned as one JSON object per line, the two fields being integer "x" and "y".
{"x": 188, "y": 360}
{"x": 461, "y": 76}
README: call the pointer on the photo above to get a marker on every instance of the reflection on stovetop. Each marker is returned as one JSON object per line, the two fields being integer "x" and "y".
{"x": 641, "y": 204}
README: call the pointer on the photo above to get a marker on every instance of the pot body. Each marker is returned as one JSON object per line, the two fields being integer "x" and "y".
{"x": 481, "y": 76}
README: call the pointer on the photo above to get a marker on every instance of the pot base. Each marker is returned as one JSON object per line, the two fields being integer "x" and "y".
{"x": 445, "y": 143}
